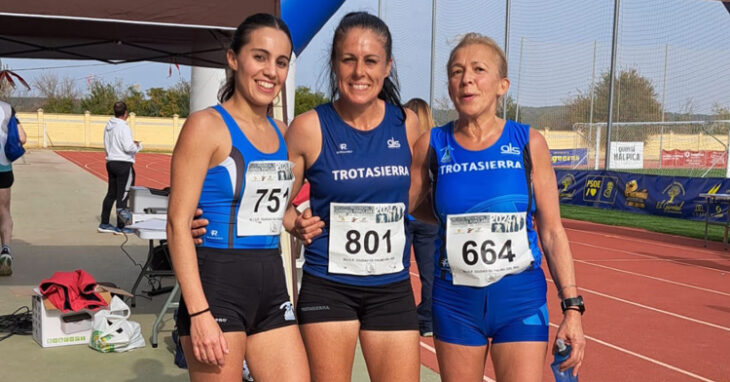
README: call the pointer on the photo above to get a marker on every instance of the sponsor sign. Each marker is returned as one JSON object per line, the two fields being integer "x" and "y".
{"x": 626, "y": 155}
{"x": 694, "y": 159}
{"x": 569, "y": 157}
{"x": 674, "y": 196}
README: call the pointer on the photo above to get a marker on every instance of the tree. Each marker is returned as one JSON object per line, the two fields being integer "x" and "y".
{"x": 511, "y": 108}
{"x": 687, "y": 111}
{"x": 305, "y": 100}
{"x": 634, "y": 100}
{"x": 61, "y": 95}
{"x": 5, "y": 91}
{"x": 135, "y": 100}
{"x": 720, "y": 112}
{"x": 101, "y": 97}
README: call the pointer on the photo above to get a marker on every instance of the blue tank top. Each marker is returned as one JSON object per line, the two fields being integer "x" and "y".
{"x": 496, "y": 179}
{"x": 224, "y": 188}
{"x": 360, "y": 167}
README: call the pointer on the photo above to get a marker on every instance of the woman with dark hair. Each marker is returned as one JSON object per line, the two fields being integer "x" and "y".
{"x": 231, "y": 161}
{"x": 422, "y": 235}
{"x": 355, "y": 152}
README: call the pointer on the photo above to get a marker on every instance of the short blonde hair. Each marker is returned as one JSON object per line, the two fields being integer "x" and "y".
{"x": 425, "y": 119}
{"x": 476, "y": 38}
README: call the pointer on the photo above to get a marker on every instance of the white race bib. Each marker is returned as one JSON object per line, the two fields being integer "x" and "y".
{"x": 366, "y": 239}
{"x": 484, "y": 247}
{"x": 265, "y": 198}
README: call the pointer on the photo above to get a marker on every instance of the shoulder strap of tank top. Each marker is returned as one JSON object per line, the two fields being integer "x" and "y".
{"x": 282, "y": 143}
{"x": 228, "y": 119}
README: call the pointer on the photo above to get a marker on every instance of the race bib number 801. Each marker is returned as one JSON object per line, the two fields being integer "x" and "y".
{"x": 484, "y": 247}
{"x": 265, "y": 198}
{"x": 366, "y": 239}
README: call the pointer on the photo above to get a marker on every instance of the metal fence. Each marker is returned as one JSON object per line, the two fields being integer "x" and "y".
{"x": 670, "y": 62}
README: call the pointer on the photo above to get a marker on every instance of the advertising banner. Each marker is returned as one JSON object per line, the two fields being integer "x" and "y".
{"x": 671, "y": 196}
{"x": 569, "y": 157}
{"x": 625, "y": 155}
{"x": 694, "y": 159}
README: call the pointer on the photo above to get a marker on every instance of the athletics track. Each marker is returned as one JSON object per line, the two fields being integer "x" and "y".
{"x": 658, "y": 306}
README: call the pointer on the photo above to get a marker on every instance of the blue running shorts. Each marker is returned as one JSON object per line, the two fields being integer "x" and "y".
{"x": 514, "y": 309}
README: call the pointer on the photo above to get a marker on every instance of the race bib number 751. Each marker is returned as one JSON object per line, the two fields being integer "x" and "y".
{"x": 265, "y": 197}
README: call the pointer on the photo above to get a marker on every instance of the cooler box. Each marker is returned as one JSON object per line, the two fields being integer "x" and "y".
{"x": 147, "y": 200}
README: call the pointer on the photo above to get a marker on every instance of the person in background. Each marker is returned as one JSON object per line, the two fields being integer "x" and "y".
{"x": 231, "y": 161}
{"x": 6, "y": 181}
{"x": 492, "y": 180}
{"x": 120, "y": 151}
{"x": 423, "y": 234}
{"x": 355, "y": 152}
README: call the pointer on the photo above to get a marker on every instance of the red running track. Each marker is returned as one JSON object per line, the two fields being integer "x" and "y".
{"x": 658, "y": 306}
{"x": 151, "y": 170}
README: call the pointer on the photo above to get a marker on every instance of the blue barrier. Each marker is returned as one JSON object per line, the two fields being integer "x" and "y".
{"x": 306, "y": 17}
{"x": 672, "y": 196}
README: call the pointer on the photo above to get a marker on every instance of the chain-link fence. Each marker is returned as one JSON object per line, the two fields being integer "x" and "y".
{"x": 672, "y": 65}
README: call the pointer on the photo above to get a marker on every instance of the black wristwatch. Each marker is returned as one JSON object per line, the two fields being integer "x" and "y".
{"x": 573, "y": 301}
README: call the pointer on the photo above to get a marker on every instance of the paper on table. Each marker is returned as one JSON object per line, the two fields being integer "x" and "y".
{"x": 150, "y": 224}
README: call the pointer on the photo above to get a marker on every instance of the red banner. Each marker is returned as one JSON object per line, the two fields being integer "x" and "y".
{"x": 694, "y": 159}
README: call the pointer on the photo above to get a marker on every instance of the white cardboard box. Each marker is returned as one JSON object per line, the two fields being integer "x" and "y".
{"x": 48, "y": 324}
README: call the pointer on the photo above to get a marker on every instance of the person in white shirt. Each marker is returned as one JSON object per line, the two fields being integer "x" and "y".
{"x": 6, "y": 181}
{"x": 120, "y": 151}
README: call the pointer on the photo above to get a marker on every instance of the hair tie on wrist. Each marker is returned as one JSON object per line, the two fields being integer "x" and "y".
{"x": 199, "y": 313}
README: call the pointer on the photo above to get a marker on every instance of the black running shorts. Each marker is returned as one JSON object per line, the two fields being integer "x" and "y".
{"x": 382, "y": 307}
{"x": 6, "y": 179}
{"x": 246, "y": 290}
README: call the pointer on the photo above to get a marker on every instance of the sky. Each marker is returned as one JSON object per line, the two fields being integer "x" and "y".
{"x": 551, "y": 49}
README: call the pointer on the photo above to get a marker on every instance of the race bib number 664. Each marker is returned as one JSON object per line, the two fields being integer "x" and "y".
{"x": 484, "y": 247}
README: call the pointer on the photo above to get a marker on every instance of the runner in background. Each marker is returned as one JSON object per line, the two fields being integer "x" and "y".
{"x": 423, "y": 235}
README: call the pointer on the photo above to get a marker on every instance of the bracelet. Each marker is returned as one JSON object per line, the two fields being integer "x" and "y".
{"x": 199, "y": 313}
{"x": 560, "y": 291}
{"x": 573, "y": 308}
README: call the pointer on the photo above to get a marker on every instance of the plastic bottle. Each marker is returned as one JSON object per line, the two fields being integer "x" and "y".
{"x": 562, "y": 353}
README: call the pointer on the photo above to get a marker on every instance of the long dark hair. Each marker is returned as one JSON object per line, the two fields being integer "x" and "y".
{"x": 241, "y": 37}
{"x": 390, "y": 92}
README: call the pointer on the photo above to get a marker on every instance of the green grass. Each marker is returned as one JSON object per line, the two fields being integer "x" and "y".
{"x": 690, "y": 172}
{"x": 674, "y": 226}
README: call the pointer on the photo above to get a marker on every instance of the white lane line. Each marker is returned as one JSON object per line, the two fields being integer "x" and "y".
{"x": 658, "y": 310}
{"x": 646, "y": 260}
{"x": 654, "y": 278}
{"x": 645, "y": 358}
{"x": 432, "y": 350}
{"x": 652, "y": 360}
{"x": 682, "y": 261}
{"x": 653, "y": 242}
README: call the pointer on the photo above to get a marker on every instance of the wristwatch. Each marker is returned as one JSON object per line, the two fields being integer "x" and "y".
{"x": 573, "y": 301}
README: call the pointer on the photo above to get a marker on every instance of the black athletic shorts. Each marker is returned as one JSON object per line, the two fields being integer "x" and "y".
{"x": 245, "y": 289}
{"x": 383, "y": 307}
{"x": 6, "y": 179}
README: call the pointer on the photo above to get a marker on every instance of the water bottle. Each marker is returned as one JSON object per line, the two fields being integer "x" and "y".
{"x": 561, "y": 355}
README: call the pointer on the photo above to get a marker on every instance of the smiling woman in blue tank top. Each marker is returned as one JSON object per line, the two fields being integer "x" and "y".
{"x": 231, "y": 161}
{"x": 356, "y": 153}
{"x": 491, "y": 180}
